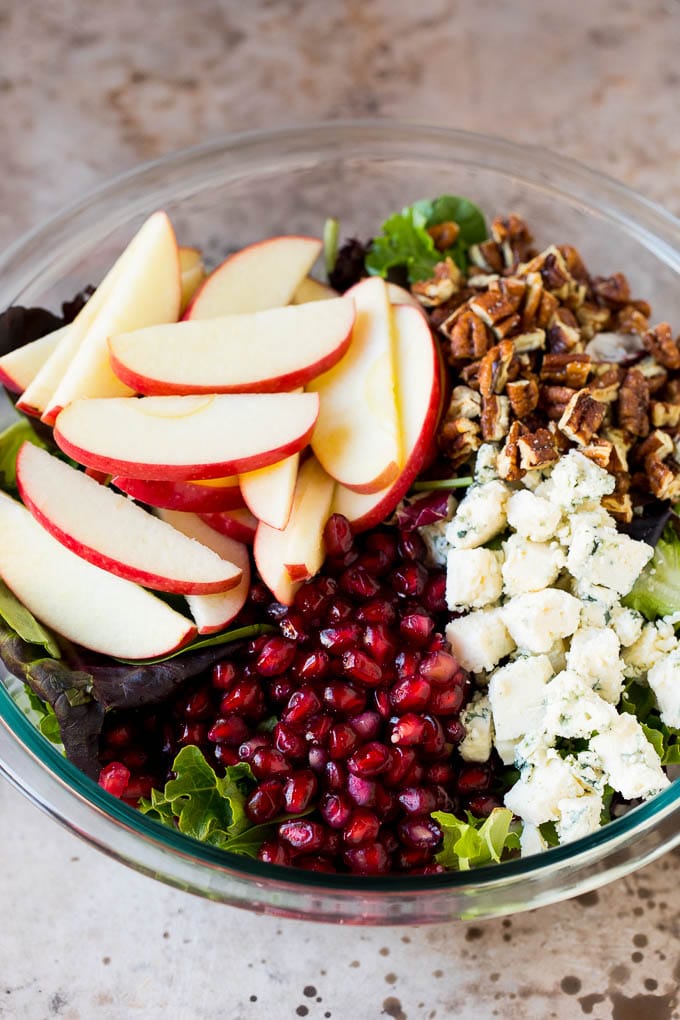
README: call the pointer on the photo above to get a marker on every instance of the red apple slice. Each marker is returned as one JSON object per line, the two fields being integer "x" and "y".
{"x": 183, "y": 438}
{"x": 85, "y": 604}
{"x": 237, "y": 524}
{"x": 264, "y": 352}
{"x": 418, "y": 386}
{"x": 269, "y": 492}
{"x": 115, "y": 534}
{"x": 190, "y": 497}
{"x": 286, "y": 558}
{"x": 263, "y": 275}
{"x": 19, "y": 368}
{"x": 214, "y": 612}
{"x": 400, "y": 296}
{"x": 192, "y": 274}
{"x": 356, "y": 438}
{"x": 312, "y": 290}
{"x": 146, "y": 292}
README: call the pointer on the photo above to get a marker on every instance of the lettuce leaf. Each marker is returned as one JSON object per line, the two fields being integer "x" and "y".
{"x": 638, "y": 699}
{"x": 477, "y": 841}
{"x": 405, "y": 242}
{"x": 657, "y": 590}
{"x": 11, "y": 441}
{"x": 23, "y": 623}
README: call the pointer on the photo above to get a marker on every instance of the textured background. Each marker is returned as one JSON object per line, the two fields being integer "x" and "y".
{"x": 87, "y": 90}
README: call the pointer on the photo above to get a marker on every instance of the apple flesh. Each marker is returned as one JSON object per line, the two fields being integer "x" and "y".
{"x": 184, "y": 438}
{"x": 19, "y": 368}
{"x": 237, "y": 524}
{"x": 418, "y": 387}
{"x": 192, "y": 274}
{"x": 85, "y": 604}
{"x": 357, "y": 438}
{"x": 213, "y": 613}
{"x": 190, "y": 497}
{"x": 286, "y": 558}
{"x": 268, "y": 492}
{"x": 263, "y": 352}
{"x": 263, "y": 275}
{"x": 113, "y": 533}
{"x": 312, "y": 290}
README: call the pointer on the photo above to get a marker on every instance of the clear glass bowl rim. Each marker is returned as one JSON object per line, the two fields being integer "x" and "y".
{"x": 49, "y": 779}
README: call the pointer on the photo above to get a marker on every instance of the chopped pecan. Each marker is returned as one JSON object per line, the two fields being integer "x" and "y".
{"x": 552, "y": 266}
{"x": 665, "y": 415}
{"x": 554, "y": 399}
{"x": 663, "y": 478}
{"x": 495, "y": 417}
{"x": 537, "y": 450}
{"x": 465, "y": 403}
{"x": 605, "y": 383}
{"x": 619, "y": 505}
{"x": 547, "y": 309}
{"x": 621, "y": 444}
{"x": 523, "y": 396}
{"x": 500, "y": 302}
{"x": 441, "y": 287}
{"x": 582, "y": 417}
{"x": 658, "y": 444}
{"x": 560, "y": 441}
{"x": 655, "y": 374}
{"x": 532, "y": 299}
{"x": 574, "y": 262}
{"x": 470, "y": 374}
{"x": 459, "y": 439}
{"x": 660, "y": 344}
{"x": 493, "y": 370}
{"x": 513, "y": 231}
{"x": 564, "y": 333}
{"x": 437, "y": 316}
{"x": 444, "y": 234}
{"x": 566, "y": 369}
{"x": 593, "y": 319}
{"x": 600, "y": 451}
{"x": 630, "y": 319}
{"x": 634, "y": 403}
{"x": 507, "y": 464}
{"x": 487, "y": 256}
{"x": 533, "y": 340}
{"x": 469, "y": 337}
{"x": 480, "y": 281}
{"x": 612, "y": 291}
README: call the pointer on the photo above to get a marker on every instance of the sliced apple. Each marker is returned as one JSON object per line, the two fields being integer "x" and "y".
{"x": 147, "y": 291}
{"x": 263, "y": 352}
{"x": 288, "y": 557}
{"x": 263, "y": 275}
{"x": 192, "y": 274}
{"x": 114, "y": 533}
{"x": 213, "y": 613}
{"x": 418, "y": 389}
{"x": 82, "y": 602}
{"x": 357, "y": 438}
{"x": 190, "y": 497}
{"x": 312, "y": 290}
{"x": 268, "y": 492}
{"x": 237, "y": 524}
{"x": 182, "y": 438}
{"x": 400, "y": 296}
{"x": 19, "y": 368}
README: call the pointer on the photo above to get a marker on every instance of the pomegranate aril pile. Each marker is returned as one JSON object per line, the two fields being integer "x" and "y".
{"x": 348, "y": 717}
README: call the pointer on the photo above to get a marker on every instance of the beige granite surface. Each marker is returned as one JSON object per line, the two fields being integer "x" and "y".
{"x": 90, "y": 88}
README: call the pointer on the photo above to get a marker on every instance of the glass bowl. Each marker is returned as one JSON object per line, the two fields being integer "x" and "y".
{"x": 224, "y": 195}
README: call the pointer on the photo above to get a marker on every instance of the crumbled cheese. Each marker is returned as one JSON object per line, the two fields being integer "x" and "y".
{"x": 579, "y": 816}
{"x": 572, "y": 708}
{"x": 517, "y": 693}
{"x": 596, "y": 519}
{"x": 476, "y": 718}
{"x": 531, "y": 841}
{"x": 576, "y": 483}
{"x": 558, "y": 656}
{"x": 594, "y": 655}
{"x": 479, "y": 517}
{"x": 656, "y": 641}
{"x": 605, "y": 564}
{"x": 479, "y": 640}
{"x": 505, "y": 750}
{"x": 486, "y": 463}
{"x": 627, "y": 623}
{"x": 436, "y": 542}
{"x": 536, "y": 620}
{"x": 664, "y": 679}
{"x": 532, "y": 516}
{"x": 530, "y": 566}
{"x": 473, "y": 578}
{"x": 632, "y": 764}
{"x": 594, "y": 614}
{"x": 536, "y": 795}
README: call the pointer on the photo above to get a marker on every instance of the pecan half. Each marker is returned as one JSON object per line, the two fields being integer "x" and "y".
{"x": 523, "y": 396}
{"x": 660, "y": 344}
{"x": 566, "y": 369}
{"x": 613, "y": 290}
{"x": 582, "y": 417}
{"x": 493, "y": 370}
{"x": 469, "y": 337}
{"x": 554, "y": 399}
{"x": 633, "y": 405}
{"x": 459, "y": 439}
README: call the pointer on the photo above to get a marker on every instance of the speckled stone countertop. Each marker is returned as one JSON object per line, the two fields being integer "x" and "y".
{"x": 87, "y": 90}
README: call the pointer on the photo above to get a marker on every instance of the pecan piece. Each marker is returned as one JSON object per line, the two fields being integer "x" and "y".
{"x": 554, "y": 400}
{"x": 501, "y": 301}
{"x": 658, "y": 445}
{"x": 507, "y": 464}
{"x": 621, "y": 444}
{"x": 634, "y": 403}
{"x": 495, "y": 417}
{"x": 600, "y": 451}
{"x": 613, "y": 290}
{"x": 564, "y": 333}
{"x": 566, "y": 369}
{"x": 533, "y": 340}
{"x": 660, "y": 344}
{"x": 582, "y": 417}
{"x": 574, "y": 262}
{"x": 655, "y": 374}
{"x": 593, "y": 319}
{"x": 606, "y": 382}
{"x": 619, "y": 505}
{"x": 465, "y": 403}
{"x": 444, "y": 234}
{"x": 459, "y": 439}
{"x": 665, "y": 415}
{"x": 523, "y": 396}
{"x": 441, "y": 287}
{"x": 469, "y": 337}
{"x": 630, "y": 319}
{"x": 487, "y": 256}
{"x": 663, "y": 478}
{"x": 537, "y": 450}
{"x": 493, "y": 370}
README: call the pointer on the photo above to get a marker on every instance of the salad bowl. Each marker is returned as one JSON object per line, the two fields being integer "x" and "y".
{"x": 221, "y": 197}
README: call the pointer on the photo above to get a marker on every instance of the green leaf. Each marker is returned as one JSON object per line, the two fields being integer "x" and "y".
{"x": 549, "y": 832}
{"x": 11, "y": 441}
{"x": 657, "y": 590}
{"x": 638, "y": 699}
{"x": 225, "y": 638}
{"x": 47, "y": 722}
{"x": 23, "y": 623}
{"x": 331, "y": 232}
{"x": 443, "y": 483}
{"x": 477, "y": 841}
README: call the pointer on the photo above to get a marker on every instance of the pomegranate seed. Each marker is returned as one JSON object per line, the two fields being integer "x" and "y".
{"x": 474, "y": 779}
{"x": 198, "y": 704}
{"x": 332, "y": 841}
{"x": 362, "y": 667}
{"x": 363, "y": 827}
{"x": 138, "y": 787}
{"x": 382, "y": 542}
{"x": 231, "y": 730}
{"x": 336, "y": 776}
{"x": 416, "y": 628}
{"x": 245, "y": 699}
{"x": 357, "y": 582}
{"x": 317, "y": 729}
{"x": 447, "y": 700}
{"x": 276, "y": 656}
{"x": 434, "y": 594}
{"x": 267, "y": 762}
{"x": 386, "y": 804}
{"x": 441, "y": 773}
{"x": 379, "y": 643}
{"x": 370, "y": 760}
{"x": 376, "y": 563}
{"x": 433, "y": 868}
{"x": 381, "y": 700}
{"x": 224, "y": 755}
{"x": 292, "y": 629}
{"x": 411, "y": 546}
{"x": 336, "y": 809}
{"x": 193, "y": 733}
{"x": 362, "y": 791}
{"x": 437, "y": 643}
{"x": 298, "y": 791}
{"x": 482, "y": 805}
{"x": 310, "y": 601}
{"x": 420, "y": 832}
{"x": 317, "y": 758}
{"x": 265, "y": 802}
{"x": 401, "y": 761}
{"x": 343, "y": 698}
{"x": 288, "y": 741}
{"x": 377, "y": 611}
{"x": 366, "y": 725}
{"x": 454, "y": 730}
{"x": 434, "y": 740}
{"x": 135, "y": 758}
{"x": 415, "y": 775}
{"x": 413, "y": 857}
{"x": 302, "y": 834}
{"x": 312, "y": 666}
{"x": 114, "y": 778}
{"x": 248, "y": 748}
{"x": 407, "y": 663}
{"x": 302, "y": 704}
{"x": 339, "y": 610}
{"x": 273, "y": 852}
{"x": 389, "y": 840}
{"x": 342, "y": 741}
{"x": 254, "y": 647}
{"x": 337, "y": 535}
{"x": 410, "y": 695}
{"x": 371, "y": 859}
{"x": 280, "y": 690}
{"x": 409, "y": 579}
{"x": 259, "y": 594}
{"x": 315, "y": 862}
{"x": 119, "y": 736}
{"x": 224, "y": 676}
{"x": 417, "y": 800}
{"x": 338, "y": 639}
{"x": 445, "y": 802}
{"x": 408, "y": 730}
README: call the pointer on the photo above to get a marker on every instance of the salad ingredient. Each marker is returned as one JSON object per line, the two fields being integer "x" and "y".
{"x": 11, "y": 441}
{"x": 656, "y": 591}
{"x": 18, "y": 368}
{"x": 192, "y": 274}
{"x": 358, "y": 399}
{"x": 238, "y": 524}
{"x": 185, "y": 438}
{"x": 310, "y": 289}
{"x": 477, "y": 841}
{"x": 190, "y": 497}
{"x": 262, "y": 352}
{"x": 24, "y": 624}
{"x": 260, "y": 276}
{"x": 331, "y": 232}
{"x": 268, "y": 492}
{"x": 79, "y": 600}
{"x": 474, "y": 578}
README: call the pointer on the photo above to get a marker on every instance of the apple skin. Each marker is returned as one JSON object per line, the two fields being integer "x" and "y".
{"x": 268, "y": 493}
{"x": 240, "y": 525}
{"x": 366, "y": 511}
{"x": 187, "y": 497}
